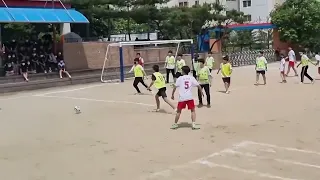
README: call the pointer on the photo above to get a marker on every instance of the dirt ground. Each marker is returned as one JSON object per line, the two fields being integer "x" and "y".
{"x": 253, "y": 133}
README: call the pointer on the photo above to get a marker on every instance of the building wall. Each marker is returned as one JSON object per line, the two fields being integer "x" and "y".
{"x": 91, "y": 55}
{"x": 190, "y": 3}
{"x": 233, "y": 4}
{"x": 260, "y": 9}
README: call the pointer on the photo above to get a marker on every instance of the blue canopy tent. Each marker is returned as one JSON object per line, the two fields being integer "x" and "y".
{"x": 41, "y": 15}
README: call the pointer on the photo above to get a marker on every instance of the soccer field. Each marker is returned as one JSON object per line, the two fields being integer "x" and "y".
{"x": 253, "y": 133}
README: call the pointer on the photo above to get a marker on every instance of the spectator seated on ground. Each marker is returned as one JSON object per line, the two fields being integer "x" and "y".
{"x": 24, "y": 70}
{"x": 52, "y": 61}
{"x": 9, "y": 69}
{"x": 62, "y": 69}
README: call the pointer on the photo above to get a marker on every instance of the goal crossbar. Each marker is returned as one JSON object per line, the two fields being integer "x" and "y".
{"x": 132, "y": 43}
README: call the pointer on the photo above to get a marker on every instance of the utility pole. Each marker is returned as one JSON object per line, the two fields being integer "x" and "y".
{"x": 53, "y": 32}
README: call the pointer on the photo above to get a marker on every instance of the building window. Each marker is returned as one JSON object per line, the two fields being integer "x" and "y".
{"x": 246, "y": 3}
{"x": 196, "y": 3}
{"x": 247, "y": 18}
{"x": 185, "y": 4}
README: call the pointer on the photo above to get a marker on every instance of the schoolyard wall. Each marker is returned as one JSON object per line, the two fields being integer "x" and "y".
{"x": 91, "y": 55}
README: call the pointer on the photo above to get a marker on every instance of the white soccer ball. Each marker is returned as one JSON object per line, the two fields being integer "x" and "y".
{"x": 77, "y": 109}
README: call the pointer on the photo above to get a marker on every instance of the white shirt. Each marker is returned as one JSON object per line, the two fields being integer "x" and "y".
{"x": 282, "y": 64}
{"x": 318, "y": 58}
{"x": 185, "y": 84}
{"x": 292, "y": 56}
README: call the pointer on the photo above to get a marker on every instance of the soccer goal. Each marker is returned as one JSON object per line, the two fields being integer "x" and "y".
{"x": 118, "y": 74}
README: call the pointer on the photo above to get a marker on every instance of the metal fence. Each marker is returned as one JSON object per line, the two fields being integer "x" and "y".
{"x": 249, "y": 57}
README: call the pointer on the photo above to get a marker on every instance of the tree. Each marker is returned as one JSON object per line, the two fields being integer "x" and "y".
{"x": 99, "y": 13}
{"x": 298, "y": 21}
{"x": 222, "y": 18}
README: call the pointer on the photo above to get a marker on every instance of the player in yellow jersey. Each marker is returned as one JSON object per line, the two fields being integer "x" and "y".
{"x": 139, "y": 74}
{"x": 305, "y": 65}
{"x": 226, "y": 71}
{"x": 204, "y": 79}
{"x": 195, "y": 64}
{"x": 159, "y": 82}
{"x": 170, "y": 66}
{"x": 210, "y": 61}
{"x": 261, "y": 68}
{"x": 180, "y": 63}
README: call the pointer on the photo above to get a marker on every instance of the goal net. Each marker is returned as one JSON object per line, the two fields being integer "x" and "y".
{"x": 119, "y": 56}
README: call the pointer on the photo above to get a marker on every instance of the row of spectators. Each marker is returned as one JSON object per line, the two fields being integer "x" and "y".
{"x": 37, "y": 55}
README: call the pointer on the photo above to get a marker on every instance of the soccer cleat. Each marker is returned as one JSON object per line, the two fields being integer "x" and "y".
{"x": 174, "y": 126}
{"x": 208, "y": 106}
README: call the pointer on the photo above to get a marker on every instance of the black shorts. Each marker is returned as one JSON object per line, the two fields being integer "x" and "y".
{"x": 178, "y": 74}
{"x": 162, "y": 92}
{"x": 226, "y": 79}
{"x": 263, "y": 72}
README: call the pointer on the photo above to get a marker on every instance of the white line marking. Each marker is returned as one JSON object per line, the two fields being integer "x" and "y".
{"x": 167, "y": 172}
{"x": 247, "y": 171}
{"x": 275, "y": 159}
{"x": 71, "y": 90}
{"x": 13, "y": 98}
{"x": 96, "y": 100}
{"x": 285, "y": 148}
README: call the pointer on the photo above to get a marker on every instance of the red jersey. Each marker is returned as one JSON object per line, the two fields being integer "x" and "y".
{"x": 141, "y": 61}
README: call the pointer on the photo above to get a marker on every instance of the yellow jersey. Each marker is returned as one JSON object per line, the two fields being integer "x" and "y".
{"x": 138, "y": 71}
{"x": 180, "y": 64}
{"x": 304, "y": 60}
{"x": 159, "y": 81}
{"x": 210, "y": 62}
{"x": 204, "y": 75}
{"x": 226, "y": 70}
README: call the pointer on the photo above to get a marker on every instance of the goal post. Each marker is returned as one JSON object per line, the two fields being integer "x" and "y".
{"x": 120, "y": 45}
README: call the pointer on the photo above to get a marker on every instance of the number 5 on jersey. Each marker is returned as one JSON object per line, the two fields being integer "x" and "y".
{"x": 186, "y": 85}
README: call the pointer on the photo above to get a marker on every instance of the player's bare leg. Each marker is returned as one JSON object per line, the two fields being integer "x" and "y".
{"x": 157, "y": 102}
{"x": 288, "y": 71}
{"x": 264, "y": 79}
{"x": 257, "y": 78}
{"x": 295, "y": 71}
{"x": 169, "y": 102}
{"x": 226, "y": 86}
{"x": 176, "y": 119}
{"x": 193, "y": 118}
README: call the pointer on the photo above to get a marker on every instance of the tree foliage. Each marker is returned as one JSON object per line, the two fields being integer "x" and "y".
{"x": 298, "y": 22}
{"x": 137, "y": 16}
